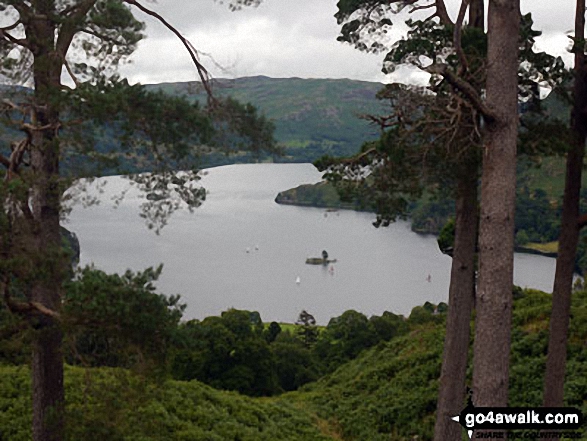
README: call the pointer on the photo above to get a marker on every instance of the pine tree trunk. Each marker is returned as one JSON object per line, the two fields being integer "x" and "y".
{"x": 461, "y": 294}
{"x": 47, "y": 358}
{"x": 47, "y": 361}
{"x": 47, "y": 382}
{"x": 569, "y": 233}
{"x": 498, "y": 191}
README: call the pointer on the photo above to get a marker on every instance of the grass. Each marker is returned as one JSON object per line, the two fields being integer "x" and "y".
{"x": 292, "y": 327}
{"x": 549, "y": 247}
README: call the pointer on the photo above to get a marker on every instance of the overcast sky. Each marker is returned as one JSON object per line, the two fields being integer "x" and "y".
{"x": 287, "y": 38}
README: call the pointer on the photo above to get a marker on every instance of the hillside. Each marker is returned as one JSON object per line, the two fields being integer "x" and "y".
{"x": 387, "y": 393}
{"x": 113, "y": 404}
{"x": 312, "y": 117}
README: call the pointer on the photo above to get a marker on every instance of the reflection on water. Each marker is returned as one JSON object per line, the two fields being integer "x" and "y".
{"x": 242, "y": 250}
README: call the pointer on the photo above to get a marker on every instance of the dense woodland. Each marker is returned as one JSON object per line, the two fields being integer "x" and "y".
{"x": 90, "y": 355}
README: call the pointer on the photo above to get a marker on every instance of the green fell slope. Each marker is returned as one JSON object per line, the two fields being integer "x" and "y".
{"x": 389, "y": 392}
{"x": 312, "y": 117}
{"x": 117, "y": 405}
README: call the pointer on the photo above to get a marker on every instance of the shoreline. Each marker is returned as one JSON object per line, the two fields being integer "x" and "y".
{"x": 284, "y": 200}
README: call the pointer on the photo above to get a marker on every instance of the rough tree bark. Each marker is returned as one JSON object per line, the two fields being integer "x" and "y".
{"x": 47, "y": 357}
{"x": 452, "y": 389}
{"x": 498, "y": 190}
{"x": 461, "y": 294}
{"x": 570, "y": 227}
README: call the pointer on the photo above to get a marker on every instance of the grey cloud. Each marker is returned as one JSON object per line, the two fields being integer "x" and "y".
{"x": 283, "y": 38}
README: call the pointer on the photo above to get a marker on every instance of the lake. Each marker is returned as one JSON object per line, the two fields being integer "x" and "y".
{"x": 242, "y": 250}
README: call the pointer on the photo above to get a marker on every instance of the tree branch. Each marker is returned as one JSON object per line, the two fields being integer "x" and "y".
{"x": 382, "y": 121}
{"x": 16, "y": 156}
{"x": 70, "y": 72}
{"x": 74, "y": 7}
{"x": 358, "y": 158}
{"x": 31, "y": 309}
{"x": 29, "y": 128}
{"x": 457, "y": 37}
{"x": 70, "y": 26}
{"x": 4, "y": 161}
{"x": 419, "y": 8}
{"x": 21, "y": 7}
{"x": 12, "y": 26}
{"x": 464, "y": 87}
{"x": 12, "y": 105}
{"x": 27, "y": 309}
{"x": 427, "y": 19}
{"x": 102, "y": 37}
{"x": 23, "y": 42}
{"x": 202, "y": 72}
{"x": 442, "y": 13}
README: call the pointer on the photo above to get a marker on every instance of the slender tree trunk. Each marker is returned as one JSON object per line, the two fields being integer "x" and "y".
{"x": 461, "y": 294}
{"x": 47, "y": 358}
{"x": 569, "y": 233}
{"x": 47, "y": 381}
{"x": 47, "y": 362}
{"x": 477, "y": 14}
{"x": 498, "y": 191}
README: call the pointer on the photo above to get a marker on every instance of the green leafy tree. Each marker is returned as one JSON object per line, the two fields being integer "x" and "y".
{"x": 52, "y": 126}
{"x": 535, "y": 216}
{"x": 295, "y": 363}
{"x": 344, "y": 338}
{"x": 388, "y": 325}
{"x": 307, "y": 330}
{"x": 119, "y": 321}
{"x": 227, "y": 352}
{"x": 272, "y": 332}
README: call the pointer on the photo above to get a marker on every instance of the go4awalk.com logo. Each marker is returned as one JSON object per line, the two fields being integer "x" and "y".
{"x": 535, "y": 422}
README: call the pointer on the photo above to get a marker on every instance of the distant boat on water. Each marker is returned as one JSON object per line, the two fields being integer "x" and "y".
{"x": 320, "y": 260}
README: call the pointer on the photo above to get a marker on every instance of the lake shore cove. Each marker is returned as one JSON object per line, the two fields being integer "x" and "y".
{"x": 387, "y": 393}
{"x": 427, "y": 216}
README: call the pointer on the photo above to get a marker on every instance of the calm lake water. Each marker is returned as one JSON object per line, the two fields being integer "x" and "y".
{"x": 240, "y": 249}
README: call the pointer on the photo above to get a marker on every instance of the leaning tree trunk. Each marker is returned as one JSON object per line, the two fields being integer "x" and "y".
{"x": 47, "y": 358}
{"x": 496, "y": 227}
{"x": 461, "y": 294}
{"x": 569, "y": 233}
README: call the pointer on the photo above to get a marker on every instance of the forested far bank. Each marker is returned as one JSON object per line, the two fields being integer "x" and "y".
{"x": 538, "y": 207}
{"x": 312, "y": 118}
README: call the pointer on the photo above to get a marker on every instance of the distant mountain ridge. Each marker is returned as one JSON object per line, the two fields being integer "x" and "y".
{"x": 312, "y": 117}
